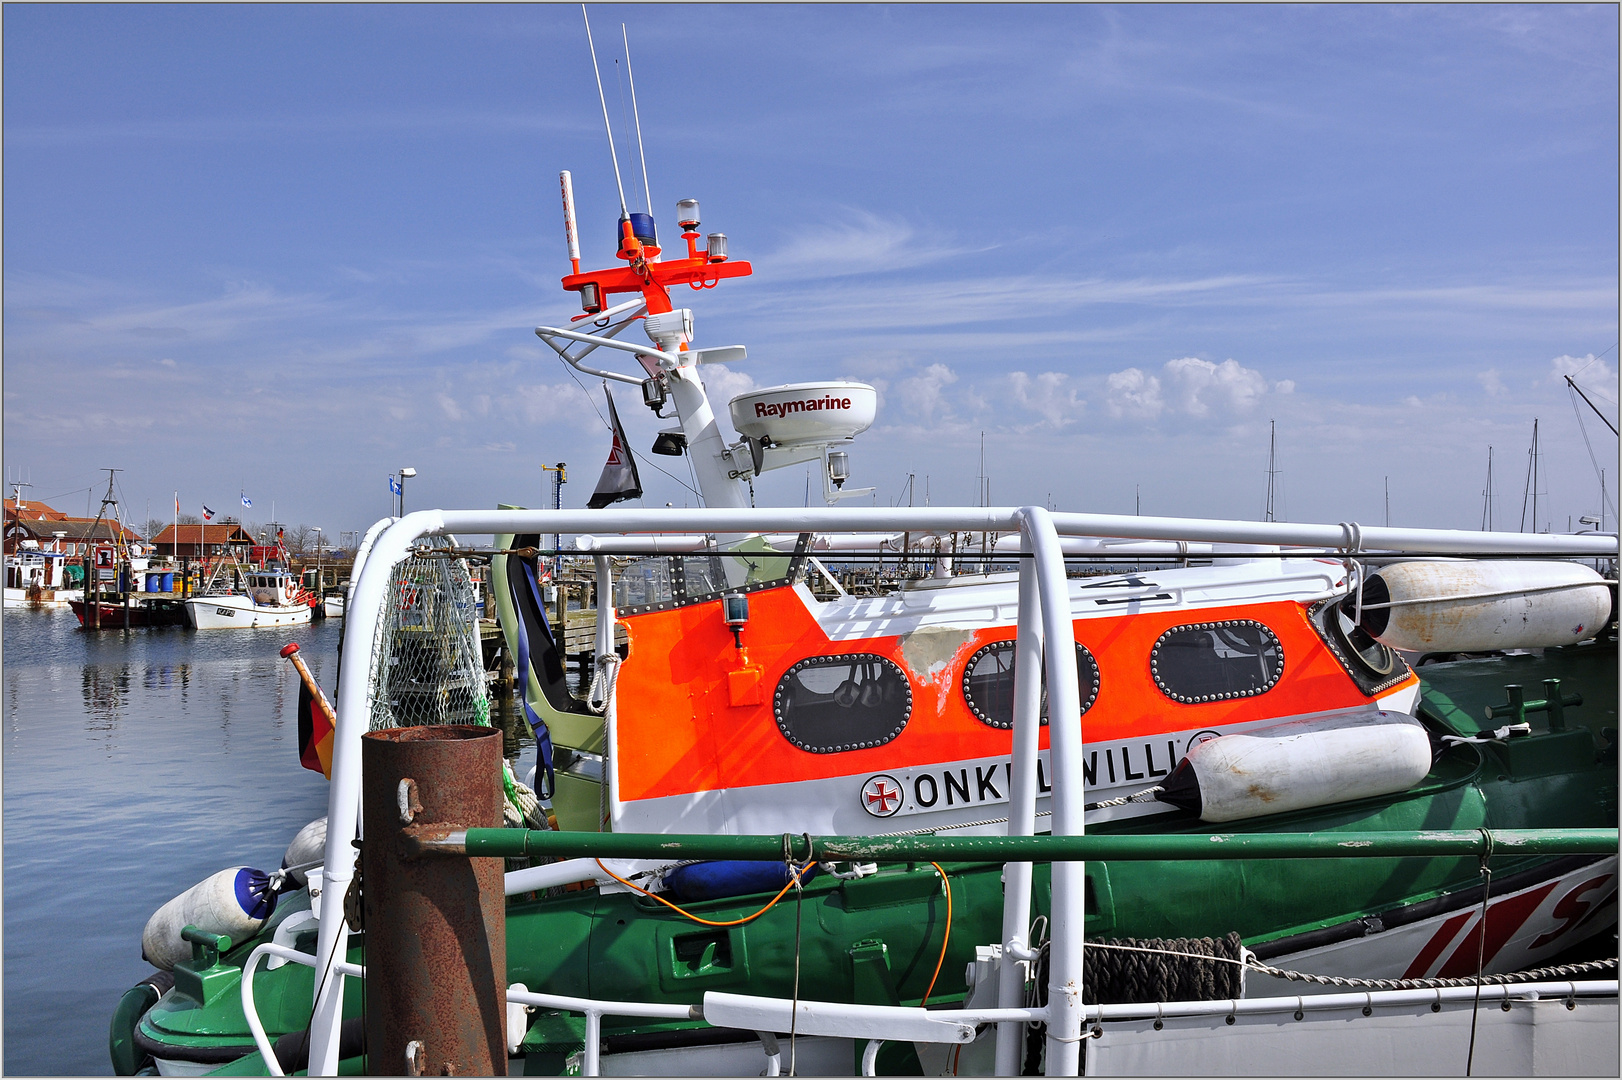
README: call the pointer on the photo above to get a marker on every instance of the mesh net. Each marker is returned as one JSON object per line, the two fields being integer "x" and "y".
{"x": 427, "y": 665}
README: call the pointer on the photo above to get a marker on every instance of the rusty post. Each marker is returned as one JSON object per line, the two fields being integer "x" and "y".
{"x": 436, "y": 930}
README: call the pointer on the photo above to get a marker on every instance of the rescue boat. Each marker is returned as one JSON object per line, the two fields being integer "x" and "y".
{"x": 1265, "y": 678}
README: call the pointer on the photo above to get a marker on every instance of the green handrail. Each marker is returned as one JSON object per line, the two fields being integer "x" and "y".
{"x": 529, "y": 843}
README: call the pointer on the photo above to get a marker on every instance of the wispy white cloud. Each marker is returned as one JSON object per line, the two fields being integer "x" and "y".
{"x": 253, "y": 129}
{"x": 861, "y": 243}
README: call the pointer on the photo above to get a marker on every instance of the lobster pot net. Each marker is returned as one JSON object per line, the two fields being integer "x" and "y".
{"x": 427, "y": 665}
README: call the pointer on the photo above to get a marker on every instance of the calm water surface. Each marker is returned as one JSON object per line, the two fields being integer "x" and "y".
{"x": 135, "y": 765}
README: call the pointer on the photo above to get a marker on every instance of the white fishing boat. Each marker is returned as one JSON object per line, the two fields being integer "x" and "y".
{"x": 270, "y": 597}
{"x": 36, "y": 577}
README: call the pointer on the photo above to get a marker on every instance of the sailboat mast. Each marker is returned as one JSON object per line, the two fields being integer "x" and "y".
{"x": 1531, "y": 492}
{"x": 1272, "y": 469}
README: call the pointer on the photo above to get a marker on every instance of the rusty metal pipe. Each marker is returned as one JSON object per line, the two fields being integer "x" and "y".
{"x": 436, "y": 931}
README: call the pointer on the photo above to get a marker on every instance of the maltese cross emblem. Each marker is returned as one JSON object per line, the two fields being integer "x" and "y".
{"x": 881, "y": 796}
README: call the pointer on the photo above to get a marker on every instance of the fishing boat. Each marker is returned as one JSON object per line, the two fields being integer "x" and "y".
{"x": 266, "y": 594}
{"x": 767, "y": 808}
{"x": 37, "y": 577}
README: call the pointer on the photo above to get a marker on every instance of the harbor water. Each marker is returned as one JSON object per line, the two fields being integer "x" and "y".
{"x": 135, "y": 764}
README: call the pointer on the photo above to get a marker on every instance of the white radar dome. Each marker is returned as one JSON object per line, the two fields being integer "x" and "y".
{"x": 812, "y": 412}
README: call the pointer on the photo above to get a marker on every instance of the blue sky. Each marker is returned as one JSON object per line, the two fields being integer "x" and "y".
{"x": 289, "y": 249}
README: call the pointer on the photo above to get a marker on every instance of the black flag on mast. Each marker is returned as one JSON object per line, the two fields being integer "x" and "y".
{"x": 619, "y": 479}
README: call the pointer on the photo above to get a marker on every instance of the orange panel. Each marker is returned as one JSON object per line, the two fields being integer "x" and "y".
{"x": 695, "y": 711}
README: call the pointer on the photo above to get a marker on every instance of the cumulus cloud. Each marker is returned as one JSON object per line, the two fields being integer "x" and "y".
{"x": 1588, "y": 372}
{"x": 1197, "y": 386}
{"x": 1048, "y": 396}
{"x": 1134, "y": 393}
{"x": 924, "y": 395}
{"x": 722, "y": 384}
{"x": 1491, "y": 383}
{"x": 1189, "y": 386}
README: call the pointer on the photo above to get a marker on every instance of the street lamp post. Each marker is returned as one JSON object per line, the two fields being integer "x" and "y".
{"x": 405, "y": 474}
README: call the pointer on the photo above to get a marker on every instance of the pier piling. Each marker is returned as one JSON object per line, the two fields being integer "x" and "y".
{"x": 436, "y": 931}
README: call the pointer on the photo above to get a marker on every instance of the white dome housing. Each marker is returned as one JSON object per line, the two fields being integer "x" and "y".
{"x": 805, "y": 413}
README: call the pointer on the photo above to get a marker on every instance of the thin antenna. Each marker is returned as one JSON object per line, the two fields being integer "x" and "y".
{"x": 604, "y": 99}
{"x": 1388, "y": 502}
{"x": 646, "y": 192}
{"x": 1486, "y": 502}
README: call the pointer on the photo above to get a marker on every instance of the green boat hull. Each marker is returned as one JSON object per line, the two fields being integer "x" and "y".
{"x": 878, "y": 939}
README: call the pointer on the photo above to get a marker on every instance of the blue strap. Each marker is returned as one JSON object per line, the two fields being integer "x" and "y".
{"x": 543, "y": 735}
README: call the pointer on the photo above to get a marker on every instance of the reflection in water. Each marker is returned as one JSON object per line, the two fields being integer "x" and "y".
{"x": 173, "y": 746}
{"x": 105, "y": 690}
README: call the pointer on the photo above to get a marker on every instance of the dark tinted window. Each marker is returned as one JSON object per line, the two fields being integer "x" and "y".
{"x": 826, "y": 704}
{"x": 988, "y": 683}
{"x": 1217, "y": 660}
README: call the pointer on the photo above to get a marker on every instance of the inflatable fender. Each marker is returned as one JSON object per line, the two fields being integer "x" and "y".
{"x": 1483, "y": 606}
{"x": 234, "y": 902}
{"x": 724, "y": 878}
{"x": 1306, "y": 763}
{"x": 307, "y": 850}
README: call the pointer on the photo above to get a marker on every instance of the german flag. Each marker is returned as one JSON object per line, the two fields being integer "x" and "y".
{"x": 314, "y": 733}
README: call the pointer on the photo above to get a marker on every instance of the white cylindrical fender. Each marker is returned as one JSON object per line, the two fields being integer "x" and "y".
{"x": 1316, "y": 761}
{"x": 308, "y": 848}
{"x": 1482, "y": 606}
{"x": 234, "y": 902}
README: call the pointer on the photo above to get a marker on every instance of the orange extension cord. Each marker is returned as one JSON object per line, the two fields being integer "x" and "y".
{"x": 708, "y": 922}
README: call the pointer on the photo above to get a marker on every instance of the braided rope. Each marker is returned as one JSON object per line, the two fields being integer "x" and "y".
{"x": 1249, "y": 960}
{"x": 1561, "y": 971}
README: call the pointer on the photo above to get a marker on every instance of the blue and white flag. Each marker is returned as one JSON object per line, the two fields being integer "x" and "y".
{"x": 246, "y": 501}
{"x": 394, "y": 487}
{"x": 208, "y": 515}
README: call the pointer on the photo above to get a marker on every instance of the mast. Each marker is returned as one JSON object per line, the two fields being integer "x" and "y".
{"x": 1272, "y": 469}
{"x": 1486, "y": 501}
{"x": 1530, "y": 494}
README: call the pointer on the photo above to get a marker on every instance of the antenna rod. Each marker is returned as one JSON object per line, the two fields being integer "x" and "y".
{"x": 569, "y": 232}
{"x": 647, "y": 193}
{"x": 604, "y": 99}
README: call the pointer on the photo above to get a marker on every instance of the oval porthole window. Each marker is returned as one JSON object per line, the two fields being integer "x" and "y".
{"x": 829, "y": 704}
{"x": 1216, "y": 661}
{"x": 988, "y": 683}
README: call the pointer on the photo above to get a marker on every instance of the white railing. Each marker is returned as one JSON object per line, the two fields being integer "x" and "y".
{"x": 1044, "y": 610}
{"x": 250, "y": 1010}
{"x": 591, "y": 1051}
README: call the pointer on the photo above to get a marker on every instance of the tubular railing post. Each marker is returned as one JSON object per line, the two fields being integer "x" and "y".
{"x": 1067, "y": 798}
{"x": 436, "y": 929}
{"x": 1016, "y": 912}
{"x": 362, "y": 615}
{"x": 605, "y": 606}
{"x": 590, "y": 1054}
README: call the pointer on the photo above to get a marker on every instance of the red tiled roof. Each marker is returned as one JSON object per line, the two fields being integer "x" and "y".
{"x": 31, "y": 509}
